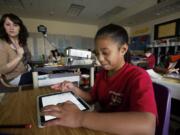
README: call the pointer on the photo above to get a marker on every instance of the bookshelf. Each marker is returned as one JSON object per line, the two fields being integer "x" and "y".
{"x": 165, "y": 47}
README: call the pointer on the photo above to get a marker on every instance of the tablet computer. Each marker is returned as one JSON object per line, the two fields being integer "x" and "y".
{"x": 56, "y": 98}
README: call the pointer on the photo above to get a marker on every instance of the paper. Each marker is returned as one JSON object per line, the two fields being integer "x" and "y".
{"x": 172, "y": 75}
{"x": 172, "y": 65}
{"x": 153, "y": 74}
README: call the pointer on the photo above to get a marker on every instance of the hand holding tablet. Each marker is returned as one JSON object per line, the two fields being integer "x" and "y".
{"x": 59, "y": 105}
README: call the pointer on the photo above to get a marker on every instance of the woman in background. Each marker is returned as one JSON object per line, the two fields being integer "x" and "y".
{"x": 57, "y": 55}
{"x": 54, "y": 56}
{"x": 14, "y": 52}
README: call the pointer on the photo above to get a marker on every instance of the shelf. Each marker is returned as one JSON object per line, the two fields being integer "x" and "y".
{"x": 164, "y": 45}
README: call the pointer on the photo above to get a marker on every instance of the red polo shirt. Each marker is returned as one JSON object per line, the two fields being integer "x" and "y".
{"x": 130, "y": 89}
{"x": 151, "y": 61}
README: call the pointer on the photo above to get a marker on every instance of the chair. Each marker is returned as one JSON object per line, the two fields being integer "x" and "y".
{"x": 6, "y": 87}
{"x": 163, "y": 101}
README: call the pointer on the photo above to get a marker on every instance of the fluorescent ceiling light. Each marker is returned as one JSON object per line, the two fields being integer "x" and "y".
{"x": 75, "y": 10}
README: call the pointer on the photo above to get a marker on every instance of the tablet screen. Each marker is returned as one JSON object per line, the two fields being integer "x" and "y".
{"x": 54, "y": 99}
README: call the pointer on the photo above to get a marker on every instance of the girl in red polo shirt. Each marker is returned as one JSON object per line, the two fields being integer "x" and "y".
{"x": 151, "y": 60}
{"x": 124, "y": 92}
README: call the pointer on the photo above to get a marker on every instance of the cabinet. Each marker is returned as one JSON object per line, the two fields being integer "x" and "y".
{"x": 49, "y": 69}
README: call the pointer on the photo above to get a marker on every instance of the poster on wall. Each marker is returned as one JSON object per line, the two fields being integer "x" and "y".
{"x": 139, "y": 42}
{"x": 170, "y": 29}
{"x": 167, "y": 30}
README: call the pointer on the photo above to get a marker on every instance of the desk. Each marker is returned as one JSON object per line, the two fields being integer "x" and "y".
{"x": 20, "y": 107}
{"x": 56, "y": 68}
{"x": 172, "y": 84}
{"x": 135, "y": 60}
{"x": 138, "y": 62}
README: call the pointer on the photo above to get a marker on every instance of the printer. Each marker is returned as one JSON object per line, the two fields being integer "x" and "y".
{"x": 78, "y": 57}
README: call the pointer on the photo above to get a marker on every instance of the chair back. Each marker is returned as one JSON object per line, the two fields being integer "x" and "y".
{"x": 163, "y": 101}
{"x": 6, "y": 87}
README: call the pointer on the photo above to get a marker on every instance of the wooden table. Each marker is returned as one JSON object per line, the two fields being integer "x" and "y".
{"x": 20, "y": 108}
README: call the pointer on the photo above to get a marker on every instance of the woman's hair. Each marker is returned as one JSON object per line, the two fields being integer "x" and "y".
{"x": 55, "y": 51}
{"x": 117, "y": 34}
{"x": 23, "y": 33}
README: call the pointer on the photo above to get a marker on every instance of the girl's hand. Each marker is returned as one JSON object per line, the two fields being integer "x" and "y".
{"x": 67, "y": 114}
{"x": 20, "y": 51}
{"x": 64, "y": 86}
{"x": 173, "y": 70}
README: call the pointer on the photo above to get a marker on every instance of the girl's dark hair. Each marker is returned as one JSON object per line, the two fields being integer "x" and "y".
{"x": 117, "y": 34}
{"x": 148, "y": 49}
{"x": 23, "y": 33}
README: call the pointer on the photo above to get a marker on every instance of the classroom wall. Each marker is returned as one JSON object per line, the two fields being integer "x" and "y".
{"x": 142, "y": 35}
{"x": 59, "y": 36}
{"x": 148, "y": 27}
{"x": 59, "y": 27}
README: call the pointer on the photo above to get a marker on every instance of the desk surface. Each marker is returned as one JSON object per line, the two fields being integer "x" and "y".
{"x": 20, "y": 108}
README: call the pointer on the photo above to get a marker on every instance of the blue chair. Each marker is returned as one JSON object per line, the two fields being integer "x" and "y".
{"x": 163, "y": 101}
{"x": 6, "y": 87}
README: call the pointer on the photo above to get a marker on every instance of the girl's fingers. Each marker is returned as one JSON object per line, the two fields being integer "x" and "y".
{"x": 51, "y": 108}
{"x": 56, "y": 114}
{"x": 53, "y": 122}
